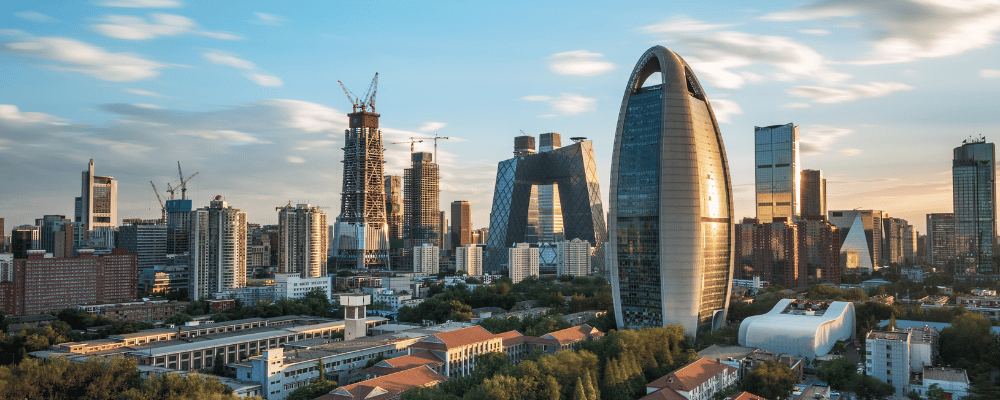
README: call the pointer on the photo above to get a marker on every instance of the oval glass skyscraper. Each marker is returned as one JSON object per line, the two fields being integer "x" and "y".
{"x": 671, "y": 202}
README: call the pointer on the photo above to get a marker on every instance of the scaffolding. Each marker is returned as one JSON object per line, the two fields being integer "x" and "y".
{"x": 362, "y": 234}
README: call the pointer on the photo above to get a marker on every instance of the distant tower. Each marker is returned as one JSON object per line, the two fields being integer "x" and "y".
{"x": 302, "y": 240}
{"x": 218, "y": 249}
{"x": 362, "y": 239}
{"x": 813, "y": 199}
{"x": 941, "y": 241}
{"x": 97, "y": 205}
{"x": 461, "y": 224}
{"x": 394, "y": 207}
{"x": 777, "y": 172}
{"x": 975, "y": 202}
{"x": 355, "y": 325}
{"x": 421, "y": 214}
{"x": 550, "y": 222}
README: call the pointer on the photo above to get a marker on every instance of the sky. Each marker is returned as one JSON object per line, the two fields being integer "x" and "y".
{"x": 245, "y": 92}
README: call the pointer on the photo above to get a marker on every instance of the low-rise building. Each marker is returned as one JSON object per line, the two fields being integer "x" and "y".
{"x": 890, "y": 356}
{"x": 403, "y": 363}
{"x": 294, "y": 286}
{"x": 566, "y": 338}
{"x": 953, "y": 381}
{"x": 699, "y": 380}
{"x": 802, "y": 328}
{"x": 387, "y": 387}
{"x": 141, "y": 311}
{"x": 459, "y": 348}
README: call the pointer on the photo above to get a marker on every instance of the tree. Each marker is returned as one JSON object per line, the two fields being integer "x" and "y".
{"x": 839, "y": 373}
{"x": 869, "y": 388}
{"x": 313, "y": 390}
{"x": 219, "y": 365}
{"x": 376, "y": 360}
{"x": 178, "y": 319}
{"x": 770, "y": 380}
{"x": 579, "y": 393}
{"x": 969, "y": 341}
{"x": 935, "y": 392}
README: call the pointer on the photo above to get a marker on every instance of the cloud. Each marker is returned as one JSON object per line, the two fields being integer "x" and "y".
{"x": 907, "y": 30}
{"x": 137, "y": 28}
{"x": 13, "y": 32}
{"x": 820, "y": 138}
{"x": 431, "y": 126}
{"x": 267, "y": 19}
{"x": 296, "y": 160}
{"x": 228, "y": 59}
{"x": 579, "y": 63}
{"x": 266, "y": 80}
{"x": 228, "y": 136}
{"x": 566, "y": 103}
{"x": 989, "y": 73}
{"x": 820, "y": 94}
{"x": 143, "y": 92}
{"x": 682, "y": 23}
{"x": 850, "y": 152}
{"x": 74, "y": 55}
{"x": 816, "y": 32}
{"x": 796, "y": 105}
{"x": 35, "y": 16}
{"x": 140, "y": 3}
{"x": 724, "y": 109}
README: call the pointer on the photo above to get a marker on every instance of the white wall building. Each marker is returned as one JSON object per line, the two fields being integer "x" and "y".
{"x": 391, "y": 298}
{"x": 218, "y": 249}
{"x": 952, "y": 380}
{"x": 522, "y": 261}
{"x": 574, "y": 257}
{"x": 426, "y": 259}
{"x": 887, "y": 358}
{"x": 293, "y": 286}
{"x": 302, "y": 240}
{"x": 469, "y": 258}
{"x": 801, "y": 328}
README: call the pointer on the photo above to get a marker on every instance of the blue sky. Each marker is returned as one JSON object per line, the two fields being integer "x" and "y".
{"x": 246, "y": 92}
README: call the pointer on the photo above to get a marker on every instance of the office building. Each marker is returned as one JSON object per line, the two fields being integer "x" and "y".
{"x": 43, "y": 283}
{"x": 819, "y": 250}
{"x": 426, "y": 259}
{"x": 469, "y": 258}
{"x": 302, "y": 240}
{"x": 361, "y": 237}
{"x": 550, "y": 222}
{"x": 900, "y": 241}
{"x": 97, "y": 205}
{"x": 421, "y": 208}
{"x": 940, "y": 242}
{"x": 573, "y": 257}
{"x": 24, "y": 238}
{"x": 973, "y": 177}
{"x": 461, "y": 223}
{"x": 769, "y": 251}
{"x": 514, "y": 217}
{"x": 523, "y": 259}
{"x": 217, "y": 247}
{"x": 777, "y": 172}
{"x": 394, "y": 209}
{"x": 813, "y": 189}
{"x": 861, "y": 233}
{"x": 671, "y": 203}
{"x": 145, "y": 238}
{"x": 480, "y": 236}
{"x": 802, "y": 328}
{"x": 178, "y": 225}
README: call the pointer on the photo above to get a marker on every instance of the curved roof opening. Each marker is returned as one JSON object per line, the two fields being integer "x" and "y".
{"x": 656, "y": 78}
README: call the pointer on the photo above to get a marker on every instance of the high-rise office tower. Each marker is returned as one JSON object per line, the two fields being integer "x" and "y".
{"x": 362, "y": 231}
{"x": 819, "y": 250}
{"x": 671, "y": 202}
{"x": 514, "y": 216}
{"x": 550, "y": 223}
{"x": 777, "y": 172}
{"x": 813, "y": 188}
{"x": 469, "y": 258}
{"x": 523, "y": 258}
{"x": 217, "y": 247}
{"x": 973, "y": 177}
{"x": 461, "y": 223}
{"x": 394, "y": 207}
{"x": 302, "y": 240}
{"x": 178, "y": 225}
{"x": 941, "y": 241}
{"x": 860, "y": 232}
{"x": 97, "y": 205}
{"x": 421, "y": 208}
{"x": 426, "y": 258}
{"x": 769, "y": 251}
{"x": 145, "y": 238}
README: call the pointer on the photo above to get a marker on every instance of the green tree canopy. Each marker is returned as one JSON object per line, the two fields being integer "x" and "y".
{"x": 770, "y": 380}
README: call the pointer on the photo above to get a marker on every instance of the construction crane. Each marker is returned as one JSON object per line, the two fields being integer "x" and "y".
{"x": 163, "y": 208}
{"x": 366, "y": 102}
{"x": 411, "y": 142}
{"x": 435, "y": 139}
{"x": 183, "y": 184}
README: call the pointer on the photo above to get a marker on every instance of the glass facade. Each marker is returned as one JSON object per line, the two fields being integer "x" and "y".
{"x": 777, "y": 172}
{"x": 974, "y": 194}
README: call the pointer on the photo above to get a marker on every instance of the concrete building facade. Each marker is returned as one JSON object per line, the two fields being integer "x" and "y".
{"x": 97, "y": 205}
{"x": 302, "y": 240}
{"x": 217, "y": 245}
{"x": 469, "y": 258}
{"x": 523, "y": 259}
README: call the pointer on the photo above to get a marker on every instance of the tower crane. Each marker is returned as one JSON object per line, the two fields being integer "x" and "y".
{"x": 421, "y": 140}
{"x": 163, "y": 208}
{"x": 184, "y": 181}
{"x": 365, "y": 103}
{"x": 411, "y": 142}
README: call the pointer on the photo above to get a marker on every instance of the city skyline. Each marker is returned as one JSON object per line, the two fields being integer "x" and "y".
{"x": 258, "y": 86}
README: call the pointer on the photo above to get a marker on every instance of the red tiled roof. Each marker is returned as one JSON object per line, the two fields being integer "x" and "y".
{"x": 406, "y": 362}
{"x": 744, "y": 396}
{"x": 690, "y": 376}
{"x": 574, "y": 334}
{"x": 459, "y": 337}
{"x": 663, "y": 394}
{"x": 511, "y": 338}
{"x": 388, "y": 386}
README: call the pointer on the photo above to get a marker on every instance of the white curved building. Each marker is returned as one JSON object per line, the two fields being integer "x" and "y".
{"x": 800, "y": 327}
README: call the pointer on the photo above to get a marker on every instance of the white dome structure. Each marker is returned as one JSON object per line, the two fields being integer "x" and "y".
{"x": 800, "y": 327}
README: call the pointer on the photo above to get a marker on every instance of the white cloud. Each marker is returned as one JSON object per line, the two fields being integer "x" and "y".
{"x": 228, "y": 136}
{"x": 35, "y": 16}
{"x": 906, "y": 30}
{"x": 796, "y": 105}
{"x": 150, "y": 106}
{"x": 296, "y": 160}
{"x": 74, "y": 55}
{"x": 224, "y": 58}
{"x": 821, "y": 94}
{"x": 142, "y": 92}
{"x": 850, "y": 152}
{"x": 566, "y": 103}
{"x": 140, "y": 3}
{"x": 989, "y": 73}
{"x": 267, "y": 19}
{"x": 431, "y": 126}
{"x": 724, "y": 109}
{"x": 579, "y": 63}
{"x": 13, "y": 32}
{"x": 816, "y": 32}
{"x": 266, "y": 80}
{"x": 137, "y": 28}
{"x": 682, "y": 23}
{"x": 820, "y": 138}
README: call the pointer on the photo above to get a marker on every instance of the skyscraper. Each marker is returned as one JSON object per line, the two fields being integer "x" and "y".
{"x": 421, "y": 208}
{"x": 899, "y": 240}
{"x": 461, "y": 223}
{"x": 145, "y": 238}
{"x": 819, "y": 250}
{"x": 394, "y": 207}
{"x": 217, "y": 243}
{"x": 178, "y": 225}
{"x": 362, "y": 232}
{"x": 813, "y": 199}
{"x": 941, "y": 241}
{"x": 469, "y": 258}
{"x": 302, "y": 240}
{"x": 769, "y": 251}
{"x": 426, "y": 258}
{"x": 860, "y": 232}
{"x": 550, "y": 223}
{"x": 97, "y": 205}
{"x": 777, "y": 172}
{"x": 671, "y": 202}
{"x": 974, "y": 174}
{"x": 523, "y": 258}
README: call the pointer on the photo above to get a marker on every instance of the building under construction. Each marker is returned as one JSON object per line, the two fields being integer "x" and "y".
{"x": 361, "y": 233}
{"x": 422, "y": 211}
